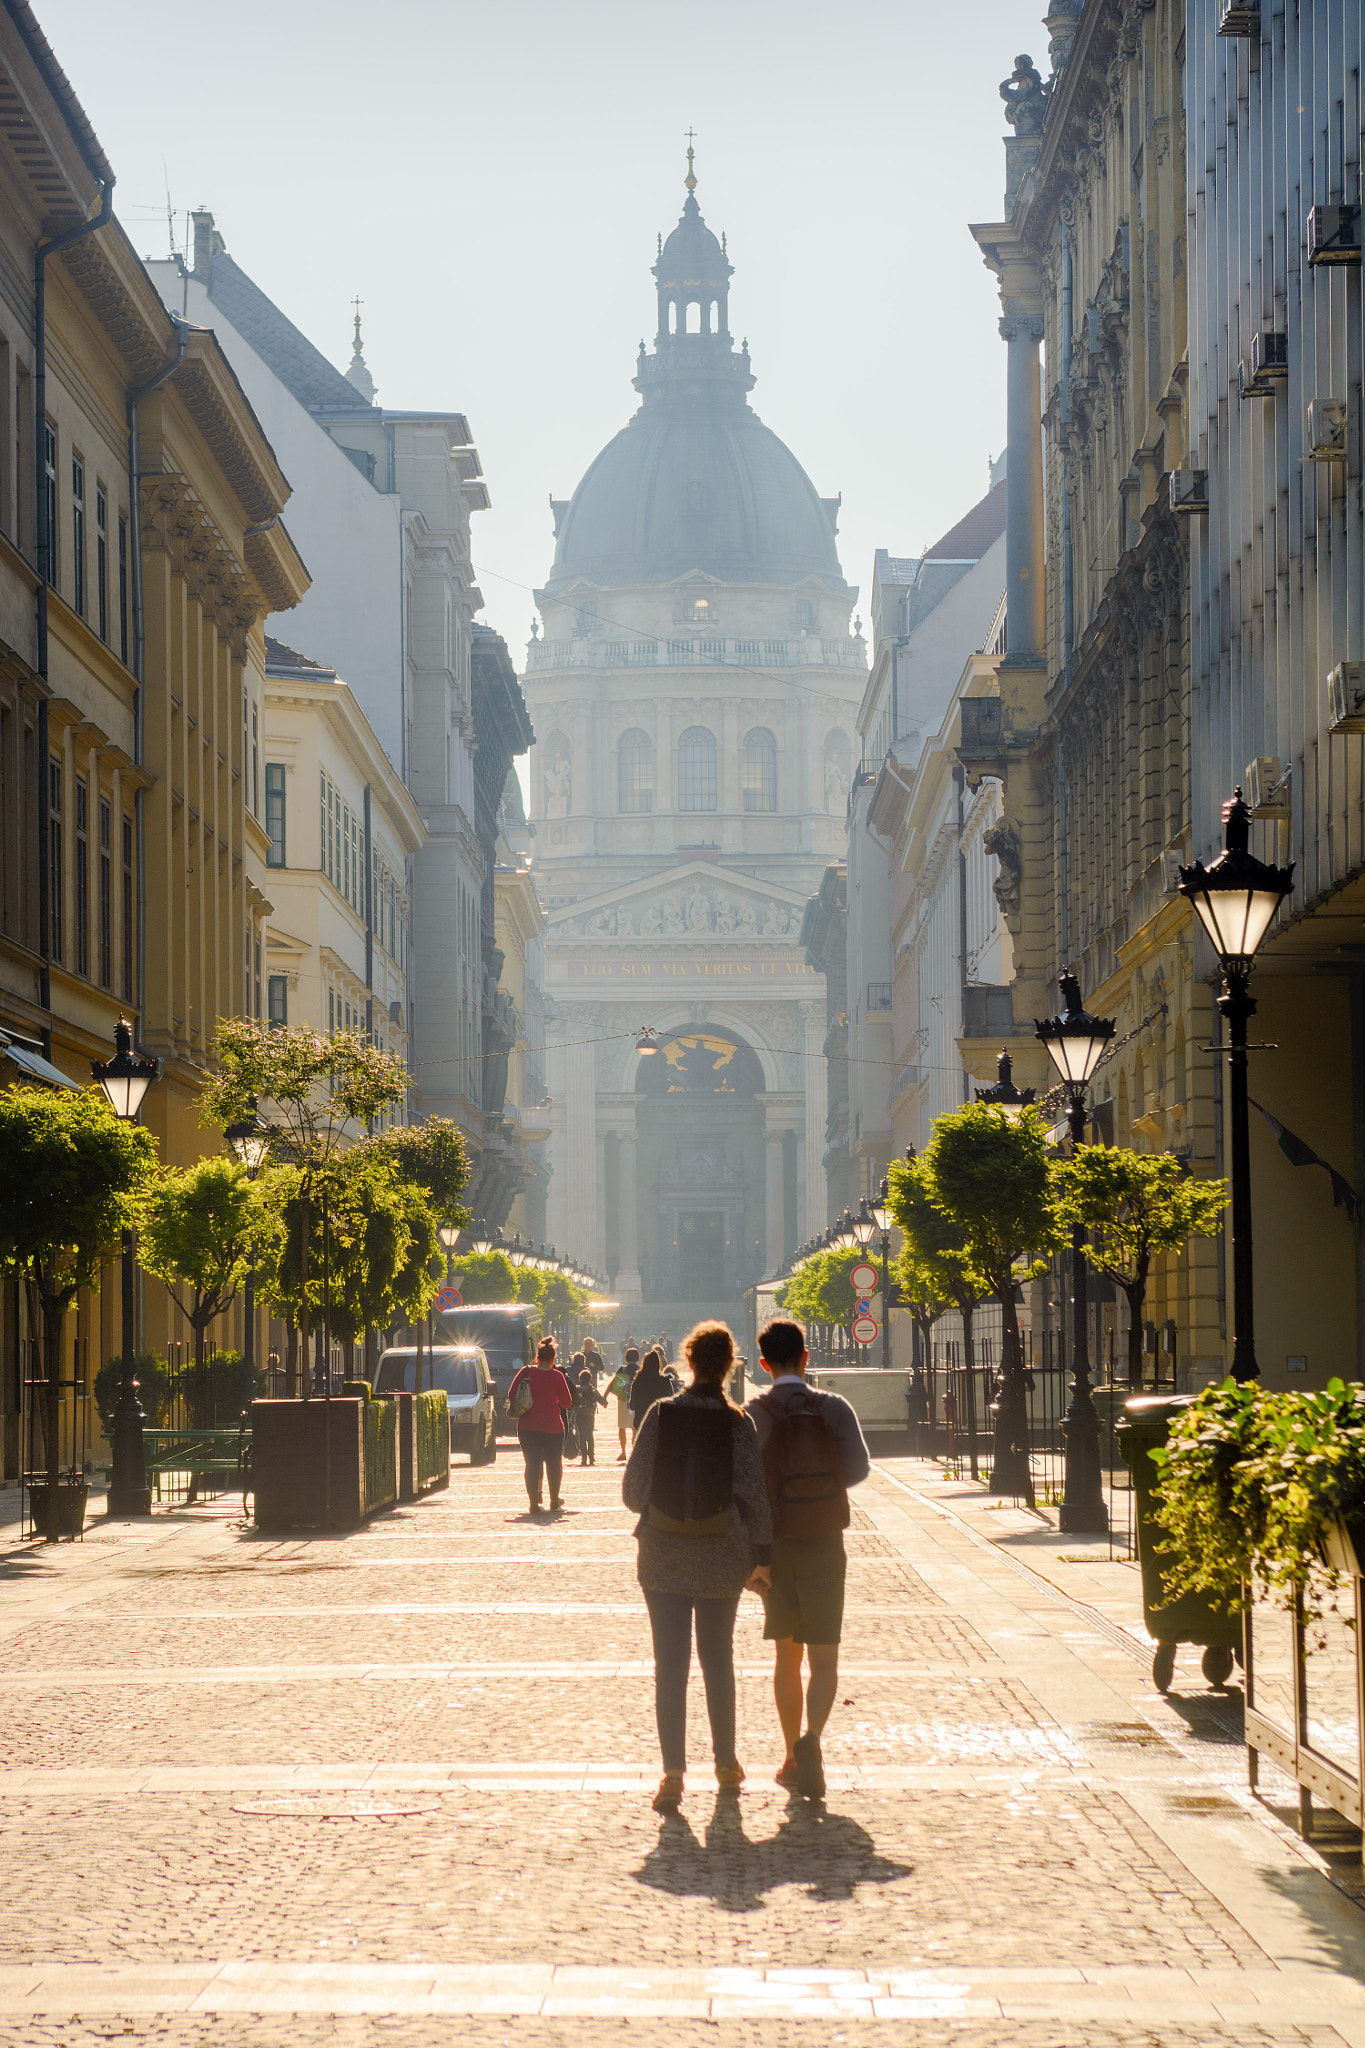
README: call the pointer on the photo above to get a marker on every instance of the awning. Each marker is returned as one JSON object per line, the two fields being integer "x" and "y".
{"x": 42, "y": 1070}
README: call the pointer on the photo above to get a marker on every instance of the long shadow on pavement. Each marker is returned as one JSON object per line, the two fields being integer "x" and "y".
{"x": 826, "y": 1853}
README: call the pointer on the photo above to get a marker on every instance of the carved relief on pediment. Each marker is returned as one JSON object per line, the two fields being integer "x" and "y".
{"x": 690, "y": 909}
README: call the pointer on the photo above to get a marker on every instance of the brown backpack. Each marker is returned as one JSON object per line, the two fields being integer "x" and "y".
{"x": 803, "y": 1469}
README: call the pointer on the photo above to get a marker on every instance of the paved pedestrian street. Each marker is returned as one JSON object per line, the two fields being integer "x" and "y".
{"x": 393, "y": 1788}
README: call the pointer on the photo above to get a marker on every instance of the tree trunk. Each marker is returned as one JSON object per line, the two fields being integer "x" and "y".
{"x": 303, "y": 1292}
{"x": 1136, "y": 1294}
{"x": 291, "y": 1360}
{"x": 1011, "y": 1472}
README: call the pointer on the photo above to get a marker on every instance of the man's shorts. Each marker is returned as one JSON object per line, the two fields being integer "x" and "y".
{"x": 623, "y": 1417}
{"x": 807, "y": 1597}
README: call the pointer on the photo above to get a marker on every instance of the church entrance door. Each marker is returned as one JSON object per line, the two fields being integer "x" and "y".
{"x": 701, "y": 1254}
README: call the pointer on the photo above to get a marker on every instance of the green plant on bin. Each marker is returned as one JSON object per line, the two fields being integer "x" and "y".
{"x": 433, "y": 1436}
{"x": 1251, "y": 1477}
{"x": 379, "y": 1420}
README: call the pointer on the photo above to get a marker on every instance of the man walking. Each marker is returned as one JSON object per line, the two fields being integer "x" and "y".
{"x": 813, "y": 1451}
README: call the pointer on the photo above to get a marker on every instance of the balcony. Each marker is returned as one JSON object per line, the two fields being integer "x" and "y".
{"x": 696, "y": 651}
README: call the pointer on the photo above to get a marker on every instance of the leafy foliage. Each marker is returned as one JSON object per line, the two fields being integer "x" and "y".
{"x": 313, "y": 1084}
{"x": 491, "y": 1276}
{"x": 70, "y": 1175}
{"x": 935, "y": 1265}
{"x": 202, "y": 1227}
{"x": 1133, "y": 1206}
{"x": 991, "y": 1177}
{"x": 1250, "y": 1478}
{"x": 373, "y": 1258}
{"x": 432, "y": 1155}
{"x": 820, "y": 1291}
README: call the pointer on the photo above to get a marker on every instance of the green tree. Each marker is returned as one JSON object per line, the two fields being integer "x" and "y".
{"x": 935, "y": 1266}
{"x": 1135, "y": 1205}
{"x": 491, "y": 1276}
{"x": 314, "y": 1091}
{"x": 433, "y": 1157}
{"x": 201, "y": 1228}
{"x": 820, "y": 1290}
{"x": 371, "y": 1256}
{"x": 70, "y": 1175}
{"x": 992, "y": 1177}
{"x": 562, "y": 1301}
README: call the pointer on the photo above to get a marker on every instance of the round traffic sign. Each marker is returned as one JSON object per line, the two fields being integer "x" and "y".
{"x": 449, "y": 1297}
{"x": 866, "y": 1330}
{"x": 863, "y": 1305}
{"x": 864, "y": 1278}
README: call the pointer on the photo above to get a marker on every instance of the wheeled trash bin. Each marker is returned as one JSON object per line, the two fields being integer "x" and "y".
{"x": 1194, "y": 1617}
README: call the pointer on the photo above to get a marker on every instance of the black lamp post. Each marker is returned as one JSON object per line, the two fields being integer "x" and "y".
{"x": 1003, "y": 1094}
{"x": 1076, "y": 1041}
{"x": 125, "y": 1079}
{"x": 873, "y": 1220}
{"x": 1236, "y": 898}
{"x": 250, "y": 1141}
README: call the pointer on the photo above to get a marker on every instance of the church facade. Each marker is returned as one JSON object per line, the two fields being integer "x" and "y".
{"x": 694, "y": 692}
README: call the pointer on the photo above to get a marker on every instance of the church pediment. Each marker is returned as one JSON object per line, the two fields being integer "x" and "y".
{"x": 699, "y": 901}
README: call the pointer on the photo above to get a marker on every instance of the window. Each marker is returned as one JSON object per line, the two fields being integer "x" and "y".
{"x": 78, "y": 533}
{"x": 54, "y": 856}
{"x": 803, "y": 615}
{"x": 102, "y": 560}
{"x": 255, "y": 761}
{"x": 393, "y": 919}
{"x": 246, "y": 976}
{"x": 123, "y": 591}
{"x": 331, "y": 1010}
{"x": 274, "y": 819}
{"x": 106, "y": 897}
{"x": 760, "y": 770}
{"x": 697, "y": 611}
{"x": 82, "y": 876}
{"x": 257, "y": 947}
{"x": 127, "y": 908}
{"x": 587, "y": 616}
{"x": 635, "y": 772}
{"x": 48, "y": 509}
{"x": 697, "y": 770}
{"x": 277, "y": 992}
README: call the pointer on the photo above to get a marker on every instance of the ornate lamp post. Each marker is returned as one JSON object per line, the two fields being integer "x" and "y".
{"x": 1003, "y": 1094}
{"x": 250, "y": 1141}
{"x": 873, "y": 1220}
{"x": 1236, "y": 898}
{"x": 1075, "y": 1042}
{"x": 125, "y": 1079}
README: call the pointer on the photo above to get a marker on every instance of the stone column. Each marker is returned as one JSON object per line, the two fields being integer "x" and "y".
{"x": 813, "y": 1197}
{"x": 628, "y": 1219}
{"x": 774, "y": 1206}
{"x": 1024, "y": 589}
{"x": 583, "y": 1221}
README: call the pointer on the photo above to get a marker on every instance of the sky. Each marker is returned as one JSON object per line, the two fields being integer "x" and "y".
{"x": 490, "y": 179}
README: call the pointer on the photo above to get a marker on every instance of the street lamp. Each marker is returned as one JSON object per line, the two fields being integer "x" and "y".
{"x": 874, "y": 1221}
{"x": 1236, "y": 898}
{"x": 250, "y": 1141}
{"x": 647, "y": 1042}
{"x": 1003, "y": 1094}
{"x": 482, "y": 1240}
{"x": 125, "y": 1079}
{"x": 1075, "y": 1042}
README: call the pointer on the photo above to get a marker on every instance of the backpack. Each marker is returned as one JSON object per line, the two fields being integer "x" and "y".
{"x": 802, "y": 1466}
{"x": 693, "y": 1489}
{"x": 524, "y": 1398}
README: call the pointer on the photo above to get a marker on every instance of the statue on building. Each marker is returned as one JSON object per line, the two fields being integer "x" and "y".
{"x": 602, "y": 924}
{"x": 699, "y": 911}
{"x": 559, "y": 782}
{"x": 1025, "y": 98}
{"x": 673, "y": 917}
{"x": 747, "y": 920}
{"x": 1004, "y": 842}
{"x": 653, "y": 920}
{"x": 725, "y": 915}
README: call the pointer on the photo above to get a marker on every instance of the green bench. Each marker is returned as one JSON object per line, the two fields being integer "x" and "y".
{"x": 216, "y": 1460}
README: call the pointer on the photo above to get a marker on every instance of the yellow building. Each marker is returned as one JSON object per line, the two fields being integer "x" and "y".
{"x": 132, "y": 860}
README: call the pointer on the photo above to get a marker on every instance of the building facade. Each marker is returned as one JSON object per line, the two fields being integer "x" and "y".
{"x": 694, "y": 696}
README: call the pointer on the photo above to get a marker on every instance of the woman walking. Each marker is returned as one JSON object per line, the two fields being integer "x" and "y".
{"x": 650, "y": 1384}
{"x": 696, "y": 1481}
{"x": 539, "y": 1397}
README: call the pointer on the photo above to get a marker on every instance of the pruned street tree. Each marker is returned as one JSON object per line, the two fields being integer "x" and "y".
{"x": 935, "y": 1267}
{"x": 202, "y": 1227}
{"x": 70, "y": 1176}
{"x": 1134, "y": 1206}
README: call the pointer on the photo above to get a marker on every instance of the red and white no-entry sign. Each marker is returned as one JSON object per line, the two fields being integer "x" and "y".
{"x": 864, "y": 1278}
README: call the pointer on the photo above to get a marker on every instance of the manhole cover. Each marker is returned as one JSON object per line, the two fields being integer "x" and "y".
{"x": 333, "y": 1808}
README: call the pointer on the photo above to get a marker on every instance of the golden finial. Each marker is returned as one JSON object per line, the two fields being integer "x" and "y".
{"x": 690, "y": 180}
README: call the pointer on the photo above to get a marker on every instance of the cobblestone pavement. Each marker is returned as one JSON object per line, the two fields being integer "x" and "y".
{"x": 359, "y": 1790}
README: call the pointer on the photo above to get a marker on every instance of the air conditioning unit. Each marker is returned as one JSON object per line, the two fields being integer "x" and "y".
{"x": 1334, "y": 234}
{"x": 1249, "y": 385}
{"x": 1270, "y": 354}
{"x": 1267, "y": 787}
{"x": 1239, "y": 19}
{"x": 1346, "y": 697}
{"x": 1189, "y": 490}
{"x": 1326, "y": 430}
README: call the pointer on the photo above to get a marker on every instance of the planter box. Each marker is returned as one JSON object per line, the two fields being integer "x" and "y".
{"x": 423, "y": 1436}
{"x": 1194, "y": 1617}
{"x": 290, "y": 1445}
{"x": 70, "y": 1508}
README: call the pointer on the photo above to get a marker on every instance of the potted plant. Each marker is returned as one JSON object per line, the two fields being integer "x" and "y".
{"x": 1259, "y": 1481}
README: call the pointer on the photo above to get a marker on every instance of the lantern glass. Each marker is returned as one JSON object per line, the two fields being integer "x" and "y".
{"x": 449, "y": 1234}
{"x": 864, "y": 1223}
{"x": 1075, "y": 1054}
{"x": 1237, "y": 918}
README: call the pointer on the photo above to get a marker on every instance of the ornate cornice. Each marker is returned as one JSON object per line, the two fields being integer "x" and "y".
{"x": 176, "y": 522}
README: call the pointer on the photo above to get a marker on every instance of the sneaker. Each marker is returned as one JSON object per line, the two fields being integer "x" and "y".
{"x": 787, "y": 1776}
{"x": 668, "y": 1798}
{"x": 810, "y": 1767}
{"x": 729, "y": 1777}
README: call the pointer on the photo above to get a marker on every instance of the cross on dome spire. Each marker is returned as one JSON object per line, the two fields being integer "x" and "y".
{"x": 691, "y": 179}
{"x": 358, "y": 372}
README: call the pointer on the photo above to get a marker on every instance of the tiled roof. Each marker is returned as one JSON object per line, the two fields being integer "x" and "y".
{"x": 305, "y": 371}
{"x": 277, "y": 655}
{"x": 973, "y": 535}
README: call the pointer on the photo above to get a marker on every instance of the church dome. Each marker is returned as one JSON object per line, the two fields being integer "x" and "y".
{"x": 695, "y": 481}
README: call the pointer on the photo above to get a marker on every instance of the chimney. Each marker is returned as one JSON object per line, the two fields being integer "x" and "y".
{"x": 203, "y": 242}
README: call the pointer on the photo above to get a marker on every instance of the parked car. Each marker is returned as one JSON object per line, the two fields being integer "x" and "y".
{"x": 462, "y": 1373}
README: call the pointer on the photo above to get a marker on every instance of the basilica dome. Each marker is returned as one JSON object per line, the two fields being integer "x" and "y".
{"x": 695, "y": 481}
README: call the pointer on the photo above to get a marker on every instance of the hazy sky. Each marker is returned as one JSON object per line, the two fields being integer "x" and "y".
{"x": 490, "y": 180}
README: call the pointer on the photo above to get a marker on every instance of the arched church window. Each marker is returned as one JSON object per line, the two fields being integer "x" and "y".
{"x": 760, "y": 770}
{"x": 672, "y": 316}
{"x": 697, "y": 769}
{"x": 635, "y": 771}
{"x": 694, "y": 318}
{"x": 698, "y": 611}
{"x": 803, "y": 615}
